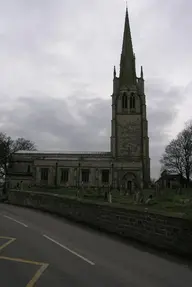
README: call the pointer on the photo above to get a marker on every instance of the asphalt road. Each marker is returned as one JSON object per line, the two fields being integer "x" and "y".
{"x": 37, "y": 249}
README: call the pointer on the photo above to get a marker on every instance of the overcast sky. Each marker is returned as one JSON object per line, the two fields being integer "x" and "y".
{"x": 56, "y": 66}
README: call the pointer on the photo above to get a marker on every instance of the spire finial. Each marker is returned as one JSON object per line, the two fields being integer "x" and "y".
{"x": 114, "y": 72}
{"x": 141, "y": 72}
{"x": 127, "y": 12}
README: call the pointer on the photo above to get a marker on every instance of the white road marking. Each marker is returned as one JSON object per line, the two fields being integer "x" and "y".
{"x": 71, "y": 251}
{"x": 15, "y": 220}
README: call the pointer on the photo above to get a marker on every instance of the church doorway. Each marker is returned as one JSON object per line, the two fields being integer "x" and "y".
{"x": 129, "y": 182}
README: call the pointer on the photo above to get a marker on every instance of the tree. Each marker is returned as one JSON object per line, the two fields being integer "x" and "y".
{"x": 8, "y": 147}
{"x": 177, "y": 157}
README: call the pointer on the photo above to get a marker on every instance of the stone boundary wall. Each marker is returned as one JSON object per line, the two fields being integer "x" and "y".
{"x": 169, "y": 233}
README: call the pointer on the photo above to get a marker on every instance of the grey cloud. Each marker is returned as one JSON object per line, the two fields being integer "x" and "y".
{"x": 163, "y": 101}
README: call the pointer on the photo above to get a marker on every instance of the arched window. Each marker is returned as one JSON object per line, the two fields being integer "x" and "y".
{"x": 132, "y": 102}
{"x": 124, "y": 101}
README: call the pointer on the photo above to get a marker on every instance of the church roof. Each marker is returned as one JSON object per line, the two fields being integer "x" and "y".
{"x": 60, "y": 153}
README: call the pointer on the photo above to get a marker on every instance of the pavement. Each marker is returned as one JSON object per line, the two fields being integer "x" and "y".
{"x": 39, "y": 249}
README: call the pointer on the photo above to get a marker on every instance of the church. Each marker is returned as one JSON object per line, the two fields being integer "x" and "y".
{"x": 127, "y": 163}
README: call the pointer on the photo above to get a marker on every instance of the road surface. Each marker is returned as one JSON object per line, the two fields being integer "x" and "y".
{"x": 37, "y": 249}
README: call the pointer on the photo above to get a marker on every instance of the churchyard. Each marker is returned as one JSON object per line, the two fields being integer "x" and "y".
{"x": 172, "y": 201}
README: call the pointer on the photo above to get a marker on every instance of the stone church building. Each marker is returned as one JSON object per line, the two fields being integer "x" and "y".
{"x": 127, "y": 163}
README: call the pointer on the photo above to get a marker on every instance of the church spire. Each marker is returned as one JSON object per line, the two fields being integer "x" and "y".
{"x": 127, "y": 63}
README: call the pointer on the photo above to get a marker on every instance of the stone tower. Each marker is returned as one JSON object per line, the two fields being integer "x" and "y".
{"x": 129, "y": 126}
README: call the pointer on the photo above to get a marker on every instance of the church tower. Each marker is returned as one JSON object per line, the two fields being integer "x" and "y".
{"x": 129, "y": 126}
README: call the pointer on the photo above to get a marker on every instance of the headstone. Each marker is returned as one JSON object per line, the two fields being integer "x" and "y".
{"x": 110, "y": 197}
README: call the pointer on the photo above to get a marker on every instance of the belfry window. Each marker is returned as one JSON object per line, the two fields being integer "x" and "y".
{"x": 124, "y": 101}
{"x": 132, "y": 102}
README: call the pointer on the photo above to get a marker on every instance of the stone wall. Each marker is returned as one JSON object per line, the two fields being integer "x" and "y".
{"x": 170, "y": 233}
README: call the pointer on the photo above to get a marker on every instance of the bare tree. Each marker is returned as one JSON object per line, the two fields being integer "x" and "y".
{"x": 185, "y": 140}
{"x": 177, "y": 157}
{"x": 8, "y": 147}
{"x": 172, "y": 158}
